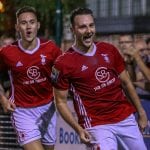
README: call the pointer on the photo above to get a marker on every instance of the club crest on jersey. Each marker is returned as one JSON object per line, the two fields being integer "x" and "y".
{"x": 54, "y": 75}
{"x": 106, "y": 58}
{"x": 43, "y": 59}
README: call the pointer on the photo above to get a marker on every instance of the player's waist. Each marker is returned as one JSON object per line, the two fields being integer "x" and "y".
{"x": 31, "y": 104}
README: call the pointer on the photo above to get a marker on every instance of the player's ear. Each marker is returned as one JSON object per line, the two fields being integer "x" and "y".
{"x": 71, "y": 29}
{"x": 16, "y": 27}
{"x": 39, "y": 25}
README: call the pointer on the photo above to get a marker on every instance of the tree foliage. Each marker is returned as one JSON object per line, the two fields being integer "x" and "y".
{"x": 45, "y": 8}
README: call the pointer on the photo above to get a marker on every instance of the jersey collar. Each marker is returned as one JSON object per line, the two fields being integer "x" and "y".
{"x": 29, "y": 51}
{"x": 92, "y": 53}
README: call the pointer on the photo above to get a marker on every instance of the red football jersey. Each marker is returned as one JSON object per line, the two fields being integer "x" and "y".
{"x": 29, "y": 72}
{"x": 93, "y": 79}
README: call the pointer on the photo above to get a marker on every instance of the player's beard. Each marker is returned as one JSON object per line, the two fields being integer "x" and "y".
{"x": 87, "y": 40}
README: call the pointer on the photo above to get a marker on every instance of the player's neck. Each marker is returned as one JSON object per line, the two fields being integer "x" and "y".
{"x": 83, "y": 49}
{"x": 29, "y": 45}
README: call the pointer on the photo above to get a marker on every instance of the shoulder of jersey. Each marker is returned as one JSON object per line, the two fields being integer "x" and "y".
{"x": 67, "y": 55}
{"x": 105, "y": 45}
{"x": 102, "y": 44}
{"x": 68, "y": 52}
{"x": 44, "y": 42}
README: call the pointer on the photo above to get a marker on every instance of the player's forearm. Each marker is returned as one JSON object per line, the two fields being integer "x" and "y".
{"x": 134, "y": 98}
{"x": 2, "y": 93}
{"x": 61, "y": 104}
{"x": 68, "y": 117}
{"x": 131, "y": 91}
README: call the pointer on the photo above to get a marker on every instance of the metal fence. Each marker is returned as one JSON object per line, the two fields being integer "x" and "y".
{"x": 7, "y": 134}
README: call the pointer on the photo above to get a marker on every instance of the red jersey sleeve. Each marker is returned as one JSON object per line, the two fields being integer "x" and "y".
{"x": 119, "y": 61}
{"x": 60, "y": 74}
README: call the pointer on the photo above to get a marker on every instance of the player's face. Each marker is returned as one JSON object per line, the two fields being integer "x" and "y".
{"x": 27, "y": 25}
{"x": 84, "y": 31}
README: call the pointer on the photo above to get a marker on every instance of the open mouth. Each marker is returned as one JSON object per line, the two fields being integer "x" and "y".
{"x": 88, "y": 37}
{"x": 28, "y": 33}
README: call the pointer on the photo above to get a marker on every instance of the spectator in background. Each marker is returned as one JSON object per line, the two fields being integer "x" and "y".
{"x": 126, "y": 41}
{"x": 94, "y": 73}
{"x": 5, "y": 39}
{"x": 141, "y": 58}
{"x": 136, "y": 56}
{"x": 148, "y": 51}
{"x": 140, "y": 54}
{"x": 29, "y": 61}
{"x": 147, "y": 84}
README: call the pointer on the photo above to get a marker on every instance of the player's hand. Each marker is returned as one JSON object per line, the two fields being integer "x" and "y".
{"x": 85, "y": 136}
{"x": 7, "y": 105}
{"x": 142, "y": 120}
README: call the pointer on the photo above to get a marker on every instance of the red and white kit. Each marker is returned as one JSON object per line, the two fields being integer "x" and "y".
{"x": 97, "y": 90}
{"x": 29, "y": 72}
{"x": 31, "y": 90}
{"x": 99, "y": 100}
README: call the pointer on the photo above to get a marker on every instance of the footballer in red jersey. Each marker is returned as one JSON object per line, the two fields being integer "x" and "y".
{"x": 95, "y": 72}
{"x": 97, "y": 90}
{"x": 29, "y": 72}
{"x": 29, "y": 62}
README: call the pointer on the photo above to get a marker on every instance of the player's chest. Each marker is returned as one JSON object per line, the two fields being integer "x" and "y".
{"x": 89, "y": 67}
{"x": 22, "y": 61}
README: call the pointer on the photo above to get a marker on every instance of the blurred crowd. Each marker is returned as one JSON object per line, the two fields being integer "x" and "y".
{"x": 136, "y": 53}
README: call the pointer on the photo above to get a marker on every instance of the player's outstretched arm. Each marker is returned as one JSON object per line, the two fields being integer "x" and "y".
{"x": 61, "y": 104}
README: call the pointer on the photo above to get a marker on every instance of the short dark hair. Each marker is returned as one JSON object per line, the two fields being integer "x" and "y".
{"x": 80, "y": 11}
{"x": 26, "y": 9}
